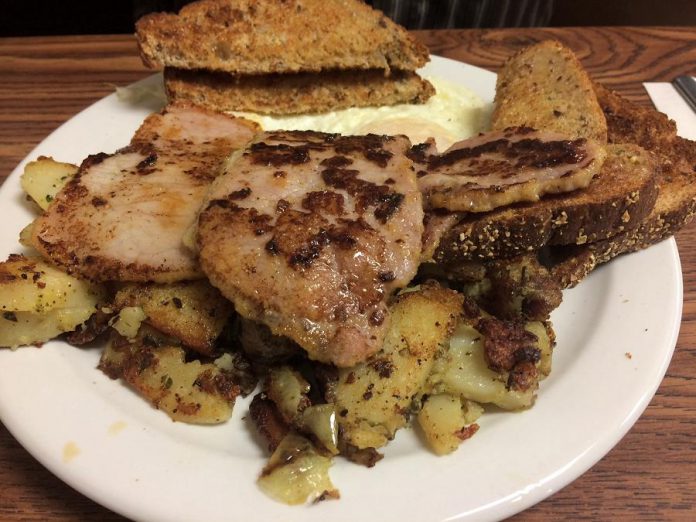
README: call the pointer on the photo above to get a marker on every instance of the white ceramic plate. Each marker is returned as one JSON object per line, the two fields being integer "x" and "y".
{"x": 616, "y": 333}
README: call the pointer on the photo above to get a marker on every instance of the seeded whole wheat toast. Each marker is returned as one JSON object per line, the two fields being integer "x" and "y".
{"x": 618, "y": 198}
{"x": 299, "y": 93}
{"x": 545, "y": 86}
{"x": 676, "y": 203}
{"x": 267, "y": 36}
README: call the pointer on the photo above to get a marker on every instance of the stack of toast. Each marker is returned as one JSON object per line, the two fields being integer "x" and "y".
{"x": 644, "y": 192}
{"x": 303, "y": 56}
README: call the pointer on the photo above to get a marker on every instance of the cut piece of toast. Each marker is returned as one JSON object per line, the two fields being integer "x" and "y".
{"x": 617, "y": 199}
{"x": 267, "y": 36}
{"x": 296, "y": 93}
{"x": 545, "y": 87}
{"x": 676, "y": 202}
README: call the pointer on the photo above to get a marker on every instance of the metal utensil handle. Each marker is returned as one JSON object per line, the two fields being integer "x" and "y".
{"x": 686, "y": 86}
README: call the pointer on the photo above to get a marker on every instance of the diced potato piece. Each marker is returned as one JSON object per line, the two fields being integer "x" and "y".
{"x": 373, "y": 399}
{"x": 42, "y": 179}
{"x": 188, "y": 392}
{"x": 447, "y": 421}
{"x": 463, "y": 371}
{"x": 39, "y": 302}
{"x": 192, "y": 311}
{"x": 296, "y": 473}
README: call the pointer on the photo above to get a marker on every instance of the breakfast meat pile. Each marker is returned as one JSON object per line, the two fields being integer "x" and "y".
{"x": 353, "y": 285}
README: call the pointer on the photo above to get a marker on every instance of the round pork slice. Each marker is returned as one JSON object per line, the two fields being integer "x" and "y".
{"x": 311, "y": 233}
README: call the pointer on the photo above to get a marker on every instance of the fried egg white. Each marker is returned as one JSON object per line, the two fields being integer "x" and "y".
{"x": 452, "y": 114}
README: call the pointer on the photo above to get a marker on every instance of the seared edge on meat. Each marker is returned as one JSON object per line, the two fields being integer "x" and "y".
{"x": 123, "y": 215}
{"x": 310, "y": 233}
{"x": 503, "y": 167}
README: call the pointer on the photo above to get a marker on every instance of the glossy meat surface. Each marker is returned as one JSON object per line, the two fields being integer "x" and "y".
{"x": 123, "y": 215}
{"x": 310, "y": 234}
{"x": 499, "y": 168}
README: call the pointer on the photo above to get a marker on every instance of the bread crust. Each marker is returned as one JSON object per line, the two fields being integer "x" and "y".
{"x": 274, "y": 36}
{"x": 300, "y": 93}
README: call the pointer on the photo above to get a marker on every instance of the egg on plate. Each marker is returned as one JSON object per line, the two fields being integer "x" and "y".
{"x": 452, "y": 114}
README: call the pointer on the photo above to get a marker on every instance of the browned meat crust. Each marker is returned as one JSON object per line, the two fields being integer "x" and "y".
{"x": 123, "y": 216}
{"x": 498, "y": 168}
{"x": 310, "y": 233}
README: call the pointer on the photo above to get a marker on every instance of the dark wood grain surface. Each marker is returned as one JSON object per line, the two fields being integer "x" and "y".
{"x": 649, "y": 475}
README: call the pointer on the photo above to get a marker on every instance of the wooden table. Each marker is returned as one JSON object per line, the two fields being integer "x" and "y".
{"x": 650, "y": 475}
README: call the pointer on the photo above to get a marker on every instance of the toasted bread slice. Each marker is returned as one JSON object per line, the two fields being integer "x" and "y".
{"x": 266, "y": 36}
{"x": 676, "y": 203}
{"x": 296, "y": 93}
{"x": 617, "y": 199}
{"x": 545, "y": 87}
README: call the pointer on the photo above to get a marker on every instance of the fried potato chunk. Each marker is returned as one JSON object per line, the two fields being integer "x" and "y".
{"x": 447, "y": 421}
{"x": 192, "y": 311}
{"x": 465, "y": 371}
{"x": 42, "y": 179}
{"x": 190, "y": 392}
{"x": 39, "y": 302}
{"x": 373, "y": 399}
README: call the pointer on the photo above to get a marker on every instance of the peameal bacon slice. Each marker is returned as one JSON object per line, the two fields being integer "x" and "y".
{"x": 310, "y": 233}
{"x": 124, "y": 215}
{"x": 499, "y": 168}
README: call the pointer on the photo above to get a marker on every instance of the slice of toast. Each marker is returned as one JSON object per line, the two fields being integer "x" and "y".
{"x": 617, "y": 199}
{"x": 296, "y": 93}
{"x": 267, "y": 36}
{"x": 545, "y": 87}
{"x": 676, "y": 203}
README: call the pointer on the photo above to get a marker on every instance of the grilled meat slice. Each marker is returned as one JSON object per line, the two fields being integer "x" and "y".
{"x": 503, "y": 167}
{"x": 310, "y": 233}
{"x": 123, "y": 215}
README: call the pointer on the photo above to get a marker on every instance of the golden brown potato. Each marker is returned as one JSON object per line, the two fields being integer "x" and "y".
{"x": 192, "y": 311}
{"x": 42, "y": 179}
{"x": 463, "y": 371}
{"x": 39, "y": 302}
{"x": 190, "y": 392}
{"x": 447, "y": 421}
{"x": 373, "y": 399}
